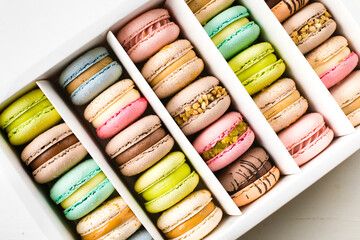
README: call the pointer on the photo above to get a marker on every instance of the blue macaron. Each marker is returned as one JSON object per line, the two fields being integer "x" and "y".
{"x": 231, "y": 31}
{"x": 89, "y": 75}
{"x": 81, "y": 189}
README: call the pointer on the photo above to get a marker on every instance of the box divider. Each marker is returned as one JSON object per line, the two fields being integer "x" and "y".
{"x": 98, "y": 155}
{"x": 198, "y": 163}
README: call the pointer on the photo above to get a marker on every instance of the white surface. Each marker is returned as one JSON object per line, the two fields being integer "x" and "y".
{"x": 31, "y": 30}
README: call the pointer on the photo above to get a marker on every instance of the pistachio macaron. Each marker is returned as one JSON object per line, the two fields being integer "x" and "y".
{"x": 166, "y": 183}
{"x": 199, "y": 104}
{"x": 257, "y": 67}
{"x": 28, "y": 116}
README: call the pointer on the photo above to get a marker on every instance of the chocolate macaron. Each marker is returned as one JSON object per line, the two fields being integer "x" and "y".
{"x": 249, "y": 177}
{"x": 282, "y": 9}
{"x": 52, "y": 153}
{"x": 140, "y": 145}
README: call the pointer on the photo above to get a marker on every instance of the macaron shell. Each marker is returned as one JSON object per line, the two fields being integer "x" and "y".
{"x": 316, "y": 147}
{"x": 96, "y": 84}
{"x": 239, "y": 40}
{"x": 257, "y": 189}
{"x": 148, "y": 158}
{"x": 289, "y": 115}
{"x": 122, "y": 118}
{"x": 174, "y": 195}
{"x": 211, "y": 9}
{"x": 214, "y": 110}
{"x": 354, "y": 117}
{"x": 60, "y": 163}
{"x": 286, "y": 8}
{"x": 39, "y": 123}
{"x": 90, "y": 201}
{"x": 232, "y": 152}
{"x": 264, "y": 77}
{"x": 340, "y": 71}
{"x": 180, "y": 78}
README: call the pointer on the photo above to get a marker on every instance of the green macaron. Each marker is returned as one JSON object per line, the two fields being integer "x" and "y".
{"x": 28, "y": 116}
{"x": 231, "y": 31}
{"x": 81, "y": 189}
{"x": 257, "y": 67}
{"x": 166, "y": 183}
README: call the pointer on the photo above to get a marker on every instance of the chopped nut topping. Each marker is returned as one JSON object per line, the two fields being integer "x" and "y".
{"x": 200, "y": 105}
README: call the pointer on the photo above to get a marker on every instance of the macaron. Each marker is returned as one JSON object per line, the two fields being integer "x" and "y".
{"x": 140, "y": 145}
{"x": 231, "y": 31}
{"x": 310, "y": 27}
{"x": 27, "y": 117}
{"x": 115, "y": 108}
{"x": 333, "y": 60}
{"x": 346, "y": 94}
{"x": 204, "y": 10}
{"x": 166, "y": 183}
{"x": 199, "y": 104}
{"x": 172, "y": 68}
{"x": 141, "y": 234}
{"x": 224, "y": 141}
{"x": 307, "y": 137}
{"x": 52, "y": 153}
{"x": 81, "y": 190}
{"x": 193, "y": 218}
{"x": 257, "y": 67}
{"x": 112, "y": 220}
{"x": 89, "y": 75}
{"x": 282, "y": 9}
{"x": 249, "y": 177}
{"x": 148, "y": 33}
{"x": 281, "y": 104}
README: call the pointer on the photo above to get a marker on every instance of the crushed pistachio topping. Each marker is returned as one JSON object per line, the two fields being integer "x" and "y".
{"x": 311, "y": 27}
{"x": 200, "y": 105}
{"x": 231, "y": 138}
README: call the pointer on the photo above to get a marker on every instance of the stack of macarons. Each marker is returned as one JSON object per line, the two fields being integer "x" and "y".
{"x": 55, "y": 156}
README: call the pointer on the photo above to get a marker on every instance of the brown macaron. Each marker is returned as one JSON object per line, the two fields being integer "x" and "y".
{"x": 283, "y": 9}
{"x": 139, "y": 146}
{"x": 310, "y": 27}
{"x": 249, "y": 177}
{"x": 52, "y": 153}
{"x": 199, "y": 104}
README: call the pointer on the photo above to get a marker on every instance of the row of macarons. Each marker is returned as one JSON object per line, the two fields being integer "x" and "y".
{"x": 312, "y": 29}
{"x": 55, "y": 157}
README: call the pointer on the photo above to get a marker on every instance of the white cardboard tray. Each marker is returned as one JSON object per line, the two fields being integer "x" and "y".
{"x": 231, "y": 227}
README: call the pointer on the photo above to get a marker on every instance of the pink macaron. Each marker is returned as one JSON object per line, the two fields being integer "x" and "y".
{"x": 224, "y": 141}
{"x": 148, "y": 33}
{"x": 115, "y": 108}
{"x": 333, "y": 60}
{"x": 307, "y": 137}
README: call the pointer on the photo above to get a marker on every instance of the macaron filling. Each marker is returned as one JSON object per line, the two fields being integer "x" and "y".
{"x": 283, "y": 104}
{"x": 91, "y": 71}
{"x": 197, "y": 5}
{"x": 184, "y": 59}
{"x": 200, "y": 103}
{"x": 53, "y": 151}
{"x": 332, "y": 62}
{"x": 191, "y": 222}
{"x": 351, "y": 107}
{"x": 109, "y": 225}
{"x": 147, "y": 30}
{"x": 307, "y": 140}
{"x": 226, "y": 140}
{"x": 229, "y": 30}
{"x": 140, "y": 146}
{"x": 311, "y": 27}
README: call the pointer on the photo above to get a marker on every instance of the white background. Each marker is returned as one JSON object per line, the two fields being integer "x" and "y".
{"x": 32, "y": 30}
